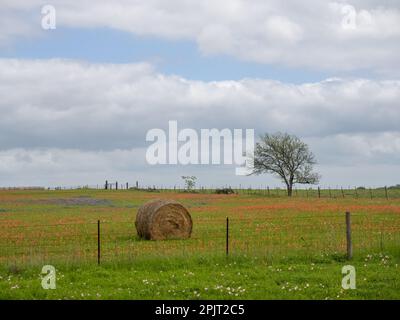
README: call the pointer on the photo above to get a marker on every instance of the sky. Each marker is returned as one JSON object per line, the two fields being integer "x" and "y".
{"x": 77, "y": 100}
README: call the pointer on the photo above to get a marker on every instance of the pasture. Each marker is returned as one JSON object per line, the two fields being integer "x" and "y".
{"x": 278, "y": 247}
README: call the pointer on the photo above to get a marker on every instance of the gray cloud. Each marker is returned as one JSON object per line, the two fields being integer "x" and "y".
{"x": 65, "y": 121}
{"x": 67, "y": 104}
{"x": 65, "y": 167}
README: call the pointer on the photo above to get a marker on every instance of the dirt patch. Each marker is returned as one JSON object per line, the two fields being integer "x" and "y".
{"x": 80, "y": 201}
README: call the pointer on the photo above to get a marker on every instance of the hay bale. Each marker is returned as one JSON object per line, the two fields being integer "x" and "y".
{"x": 163, "y": 219}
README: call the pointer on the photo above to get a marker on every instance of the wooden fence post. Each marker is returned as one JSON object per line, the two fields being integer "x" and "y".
{"x": 348, "y": 237}
{"x": 319, "y": 192}
{"x": 227, "y": 237}
{"x": 341, "y": 188}
{"x": 106, "y": 185}
{"x": 98, "y": 242}
{"x": 386, "y": 193}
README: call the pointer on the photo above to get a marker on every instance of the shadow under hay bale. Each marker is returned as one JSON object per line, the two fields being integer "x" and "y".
{"x": 163, "y": 219}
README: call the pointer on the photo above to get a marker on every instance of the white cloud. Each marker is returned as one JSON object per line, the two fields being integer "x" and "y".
{"x": 307, "y": 34}
{"x": 354, "y": 149}
{"x": 61, "y": 167}
{"x": 58, "y": 103}
{"x": 66, "y": 118}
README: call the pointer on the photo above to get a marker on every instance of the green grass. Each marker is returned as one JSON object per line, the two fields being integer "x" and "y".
{"x": 280, "y": 248}
{"x": 238, "y": 277}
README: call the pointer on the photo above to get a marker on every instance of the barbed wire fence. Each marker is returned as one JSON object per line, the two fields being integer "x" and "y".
{"x": 324, "y": 192}
{"x": 112, "y": 241}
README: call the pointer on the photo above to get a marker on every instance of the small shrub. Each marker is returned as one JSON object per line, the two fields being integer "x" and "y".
{"x": 224, "y": 191}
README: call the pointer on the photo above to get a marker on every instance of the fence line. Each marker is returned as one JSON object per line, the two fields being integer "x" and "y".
{"x": 317, "y": 192}
{"x": 254, "y": 218}
{"x": 81, "y": 241}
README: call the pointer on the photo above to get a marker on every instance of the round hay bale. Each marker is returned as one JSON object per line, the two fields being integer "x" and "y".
{"x": 163, "y": 219}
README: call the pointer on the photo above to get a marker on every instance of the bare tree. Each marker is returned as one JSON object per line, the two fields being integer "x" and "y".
{"x": 287, "y": 157}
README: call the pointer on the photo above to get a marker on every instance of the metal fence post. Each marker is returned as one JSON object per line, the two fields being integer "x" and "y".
{"x": 227, "y": 236}
{"x": 348, "y": 237}
{"x": 98, "y": 242}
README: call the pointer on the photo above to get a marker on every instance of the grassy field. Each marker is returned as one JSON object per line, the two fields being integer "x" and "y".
{"x": 278, "y": 247}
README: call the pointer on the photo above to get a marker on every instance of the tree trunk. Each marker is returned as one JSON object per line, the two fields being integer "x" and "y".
{"x": 289, "y": 190}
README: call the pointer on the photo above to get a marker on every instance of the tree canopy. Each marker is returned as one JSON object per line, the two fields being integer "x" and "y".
{"x": 287, "y": 157}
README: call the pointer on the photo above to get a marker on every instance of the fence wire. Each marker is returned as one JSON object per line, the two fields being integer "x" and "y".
{"x": 273, "y": 236}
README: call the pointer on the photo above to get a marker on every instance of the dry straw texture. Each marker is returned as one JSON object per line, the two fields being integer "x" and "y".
{"x": 163, "y": 219}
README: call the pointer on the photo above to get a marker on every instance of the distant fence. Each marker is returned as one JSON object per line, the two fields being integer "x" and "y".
{"x": 312, "y": 192}
{"x": 111, "y": 241}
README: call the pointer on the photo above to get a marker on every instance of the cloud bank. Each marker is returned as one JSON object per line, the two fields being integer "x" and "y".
{"x": 61, "y": 117}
